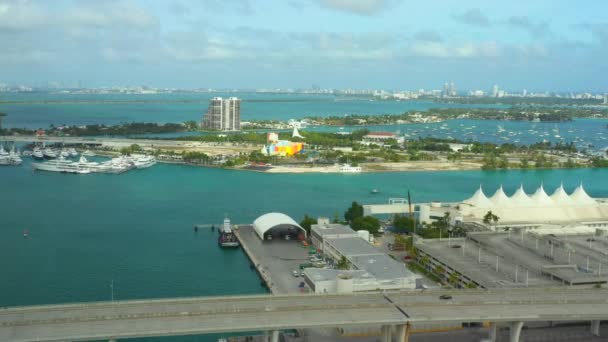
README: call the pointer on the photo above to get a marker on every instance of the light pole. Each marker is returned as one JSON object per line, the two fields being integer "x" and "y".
{"x": 112, "y": 290}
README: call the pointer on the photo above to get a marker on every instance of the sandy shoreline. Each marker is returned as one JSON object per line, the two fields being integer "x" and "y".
{"x": 382, "y": 167}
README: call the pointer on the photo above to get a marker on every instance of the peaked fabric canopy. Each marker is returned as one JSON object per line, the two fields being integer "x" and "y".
{"x": 580, "y": 197}
{"x": 560, "y": 196}
{"x": 540, "y": 198}
{"x": 500, "y": 199}
{"x": 479, "y": 200}
{"x": 521, "y": 199}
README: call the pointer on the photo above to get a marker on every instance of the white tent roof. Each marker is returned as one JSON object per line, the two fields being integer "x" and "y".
{"x": 479, "y": 200}
{"x": 520, "y": 198}
{"x": 540, "y": 198}
{"x": 268, "y": 221}
{"x": 500, "y": 199}
{"x": 560, "y": 197}
{"x": 580, "y": 196}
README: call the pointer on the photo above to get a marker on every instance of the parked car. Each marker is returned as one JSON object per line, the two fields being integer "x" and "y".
{"x": 295, "y": 273}
{"x": 445, "y": 296}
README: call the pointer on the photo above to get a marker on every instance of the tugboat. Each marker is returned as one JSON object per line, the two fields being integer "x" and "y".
{"x": 227, "y": 237}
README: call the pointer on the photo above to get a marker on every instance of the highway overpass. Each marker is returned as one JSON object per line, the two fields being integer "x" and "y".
{"x": 393, "y": 311}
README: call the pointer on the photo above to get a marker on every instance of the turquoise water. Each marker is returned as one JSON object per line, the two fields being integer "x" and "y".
{"x": 136, "y": 228}
{"x": 32, "y": 112}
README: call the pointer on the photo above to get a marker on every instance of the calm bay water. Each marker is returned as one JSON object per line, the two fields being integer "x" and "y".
{"x": 31, "y": 111}
{"x": 136, "y": 229}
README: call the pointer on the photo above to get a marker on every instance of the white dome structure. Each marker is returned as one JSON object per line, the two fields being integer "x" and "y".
{"x": 500, "y": 199}
{"x": 560, "y": 197}
{"x": 541, "y": 199}
{"x": 580, "y": 197}
{"x": 521, "y": 199}
{"x": 266, "y": 222}
{"x": 479, "y": 200}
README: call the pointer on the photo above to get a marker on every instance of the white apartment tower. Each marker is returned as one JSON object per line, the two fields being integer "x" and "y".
{"x": 223, "y": 114}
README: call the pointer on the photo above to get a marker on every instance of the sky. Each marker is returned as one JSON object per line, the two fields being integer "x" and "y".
{"x": 538, "y": 45}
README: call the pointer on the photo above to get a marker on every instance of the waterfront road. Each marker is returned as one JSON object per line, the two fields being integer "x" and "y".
{"x": 122, "y": 319}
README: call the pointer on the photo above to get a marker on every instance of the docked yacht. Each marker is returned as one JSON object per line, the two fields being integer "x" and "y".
{"x": 49, "y": 153}
{"x": 142, "y": 161}
{"x": 92, "y": 166}
{"x": 72, "y": 152}
{"x": 65, "y": 153}
{"x": 88, "y": 153}
{"x": 119, "y": 165}
{"x": 37, "y": 154}
{"x": 9, "y": 159}
{"x": 61, "y": 165}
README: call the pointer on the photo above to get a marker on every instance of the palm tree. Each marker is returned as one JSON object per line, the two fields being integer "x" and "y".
{"x": 490, "y": 218}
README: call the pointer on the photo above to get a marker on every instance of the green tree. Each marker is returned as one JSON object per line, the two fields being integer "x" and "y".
{"x": 524, "y": 163}
{"x": 503, "y": 163}
{"x": 439, "y": 270}
{"x": 403, "y": 223}
{"x": 369, "y": 223}
{"x": 453, "y": 279}
{"x": 307, "y": 222}
{"x": 336, "y": 217}
{"x": 343, "y": 264}
{"x": 490, "y": 218}
{"x": 355, "y": 211}
{"x": 191, "y": 125}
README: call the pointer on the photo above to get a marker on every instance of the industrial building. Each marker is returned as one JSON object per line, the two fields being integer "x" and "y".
{"x": 369, "y": 269}
{"x": 223, "y": 114}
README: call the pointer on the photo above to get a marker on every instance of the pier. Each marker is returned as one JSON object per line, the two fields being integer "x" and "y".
{"x": 274, "y": 260}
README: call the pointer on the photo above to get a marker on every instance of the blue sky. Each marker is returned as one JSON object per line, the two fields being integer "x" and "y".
{"x": 392, "y": 44}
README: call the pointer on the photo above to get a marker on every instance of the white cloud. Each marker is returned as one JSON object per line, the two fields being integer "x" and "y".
{"x": 444, "y": 50}
{"x": 474, "y": 17}
{"x": 360, "y": 7}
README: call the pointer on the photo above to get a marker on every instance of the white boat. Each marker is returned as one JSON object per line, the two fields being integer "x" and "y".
{"x": 347, "y": 168}
{"x": 49, "y": 153}
{"x": 142, "y": 161}
{"x": 61, "y": 165}
{"x": 119, "y": 165}
{"x": 93, "y": 166}
{"x": 73, "y": 152}
{"x": 37, "y": 153}
{"x": 3, "y": 152}
{"x": 10, "y": 160}
{"x": 65, "y": 154}
{"x": 88, "y": 153}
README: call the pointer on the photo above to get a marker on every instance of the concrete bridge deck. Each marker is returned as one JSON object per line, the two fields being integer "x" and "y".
{"x": 164, "y": 317}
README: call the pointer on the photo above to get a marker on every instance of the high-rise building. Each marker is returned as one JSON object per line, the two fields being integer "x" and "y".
{"x": 446, "y": 90}
{"x": 495, "y": 90}
{"x": 223, "y": 114}
{"x": 524, "y": 93}
{"x": 452, "y": 89}
{"x": 606, "y": 98}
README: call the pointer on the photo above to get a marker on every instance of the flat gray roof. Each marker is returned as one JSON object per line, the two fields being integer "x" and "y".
{"x": 351, "y": 246}
{"x": 332, "y": 229}
{"x": 324, "y": 274}
{"x": 381, "y": 266}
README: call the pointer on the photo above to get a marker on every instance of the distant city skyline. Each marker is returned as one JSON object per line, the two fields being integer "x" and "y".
{"x": 543, "y": 45}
